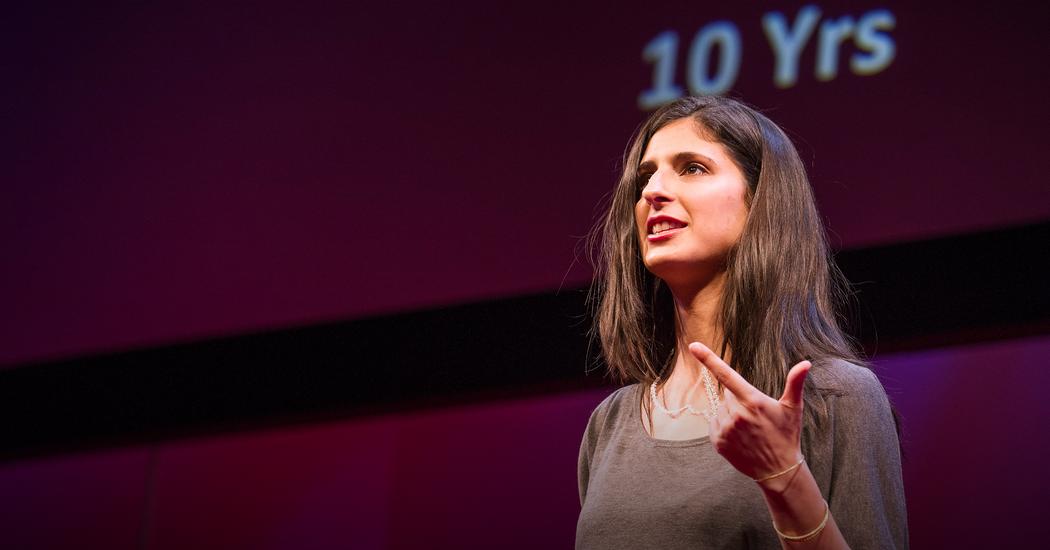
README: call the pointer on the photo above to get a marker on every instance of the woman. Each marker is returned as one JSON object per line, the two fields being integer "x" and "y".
{"x": 749, "y": 423}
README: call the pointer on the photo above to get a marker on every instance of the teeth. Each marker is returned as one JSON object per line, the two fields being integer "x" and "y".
{"x": 660, "y": 227}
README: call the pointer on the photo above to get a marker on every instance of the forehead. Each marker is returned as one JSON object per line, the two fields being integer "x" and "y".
{"x": 682, "y": 135}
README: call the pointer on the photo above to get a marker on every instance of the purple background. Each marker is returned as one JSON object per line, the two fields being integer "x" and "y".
{"x": 173, "y": 173}
{"x": 504, "y": 474}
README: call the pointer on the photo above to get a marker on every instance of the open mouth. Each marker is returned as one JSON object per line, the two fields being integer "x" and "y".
{"x": 665, "y": 226}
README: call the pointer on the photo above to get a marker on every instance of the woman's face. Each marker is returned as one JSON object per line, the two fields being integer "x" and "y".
{"x": 693, "y": 205}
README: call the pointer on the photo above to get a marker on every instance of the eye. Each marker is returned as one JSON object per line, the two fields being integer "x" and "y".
{"x": 642, "y": 180}
{"x": 694, "y": 168}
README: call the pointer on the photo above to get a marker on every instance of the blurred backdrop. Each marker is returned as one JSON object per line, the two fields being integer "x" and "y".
{"x": 312, "y": 275}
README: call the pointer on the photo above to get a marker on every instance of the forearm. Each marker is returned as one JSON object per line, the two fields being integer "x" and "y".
{"x": 797, "y": 508}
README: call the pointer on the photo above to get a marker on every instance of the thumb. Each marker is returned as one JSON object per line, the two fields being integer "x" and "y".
{"x": 793, "y": 388}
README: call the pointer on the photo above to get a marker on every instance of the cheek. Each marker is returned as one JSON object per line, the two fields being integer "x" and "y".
{"x": 730, "y": 211}
{"x": 735, "y": 214}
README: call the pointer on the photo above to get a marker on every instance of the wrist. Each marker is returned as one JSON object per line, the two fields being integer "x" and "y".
{"x": 795, "y": 502}
{"x": 808, "y": 536}
{"x": 779, "y": 481}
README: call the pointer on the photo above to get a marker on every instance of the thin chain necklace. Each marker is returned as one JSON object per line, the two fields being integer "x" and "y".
{"x": 712, "y": 398}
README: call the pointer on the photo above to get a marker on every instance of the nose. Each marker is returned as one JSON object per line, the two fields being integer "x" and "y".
{"x": 655, "y": 192}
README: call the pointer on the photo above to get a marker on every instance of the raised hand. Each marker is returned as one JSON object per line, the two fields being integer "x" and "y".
{"x": 760, "y": 436}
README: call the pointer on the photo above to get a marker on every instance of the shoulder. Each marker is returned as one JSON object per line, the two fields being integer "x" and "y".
{"x": 614, "y": 406}
{"x": 609, "y": 417}
{"x": 852, "y": 394}
{"x": 853, "y": 400}
{"x": 842, "y": 378}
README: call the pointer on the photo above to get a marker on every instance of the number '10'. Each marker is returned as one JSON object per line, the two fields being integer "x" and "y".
{"x": 662, "y": 51}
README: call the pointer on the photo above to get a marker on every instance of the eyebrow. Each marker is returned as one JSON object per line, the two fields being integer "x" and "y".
{"x": 679, "y": 158}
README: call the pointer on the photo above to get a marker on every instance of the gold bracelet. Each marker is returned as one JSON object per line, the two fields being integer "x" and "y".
{"x": 810, "y": 535}
{"x": 778, "y": 474}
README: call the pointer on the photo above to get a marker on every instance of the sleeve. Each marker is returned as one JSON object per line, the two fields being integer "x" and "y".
{"x": 583, "y": 469}
{"x": 588, "y": 445}
{"x": 866, "y": 492}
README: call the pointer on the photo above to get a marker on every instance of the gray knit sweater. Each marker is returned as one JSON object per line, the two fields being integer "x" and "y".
{"x": 640, "y": 492}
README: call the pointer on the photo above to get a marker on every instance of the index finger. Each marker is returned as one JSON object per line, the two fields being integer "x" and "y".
{"x": 725, "y": 374}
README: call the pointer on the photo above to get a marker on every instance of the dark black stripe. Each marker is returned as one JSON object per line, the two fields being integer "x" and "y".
{"x": 922, "y": 294}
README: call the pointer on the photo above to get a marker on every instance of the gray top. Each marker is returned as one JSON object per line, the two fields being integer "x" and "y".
{"x": 640, "y": 492}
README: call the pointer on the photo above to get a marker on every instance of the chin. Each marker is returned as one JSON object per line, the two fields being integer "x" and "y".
{"x": 665, "y": 265}
{"x": 670, "y": 268}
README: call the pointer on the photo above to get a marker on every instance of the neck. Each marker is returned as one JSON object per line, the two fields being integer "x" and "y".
{"x": 697, "y": 312}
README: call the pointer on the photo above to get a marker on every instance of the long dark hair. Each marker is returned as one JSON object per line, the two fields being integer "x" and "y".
{"x": 783, "y": 291}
